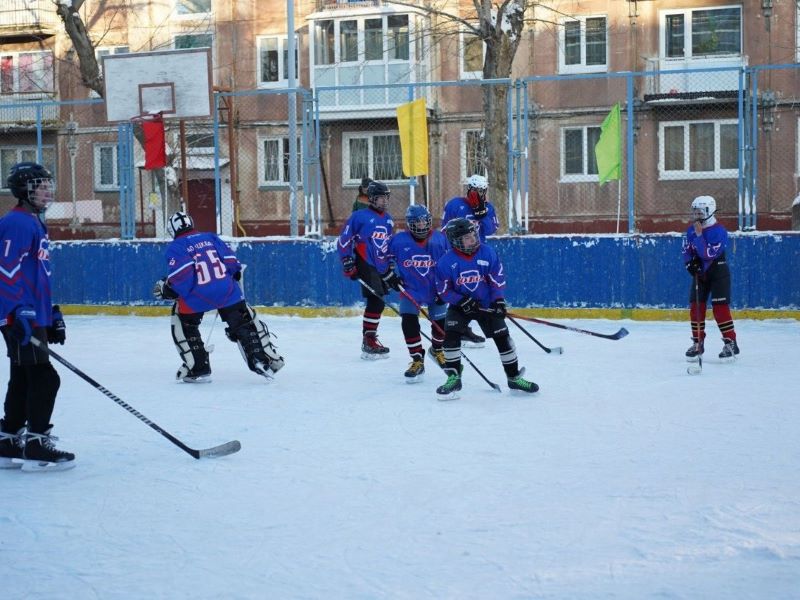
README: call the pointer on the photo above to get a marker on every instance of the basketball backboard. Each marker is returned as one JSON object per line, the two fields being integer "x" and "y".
{"x": 175, "y": 83}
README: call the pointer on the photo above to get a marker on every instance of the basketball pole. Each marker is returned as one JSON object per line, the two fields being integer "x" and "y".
{"x": 184, "y": 170}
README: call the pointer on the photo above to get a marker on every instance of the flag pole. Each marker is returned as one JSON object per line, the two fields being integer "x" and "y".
{"x": 619, "y": 201}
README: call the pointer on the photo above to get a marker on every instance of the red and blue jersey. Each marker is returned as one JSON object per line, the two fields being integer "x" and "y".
{"x": 367, "y": 233}
{"x": 25, "y": 266}
{"x": 478, "y": 276}
{"x": 459, "y": 207}
{"x": 200, "y": 269}
{"x": 708, "y": 247}
{"x": 415, "y": 262}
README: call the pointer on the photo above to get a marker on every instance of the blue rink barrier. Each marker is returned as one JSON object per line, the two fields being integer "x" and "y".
{"x": 600, "y": 271}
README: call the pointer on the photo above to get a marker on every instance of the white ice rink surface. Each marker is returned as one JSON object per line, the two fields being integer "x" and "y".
{"x": 623, "y": 478}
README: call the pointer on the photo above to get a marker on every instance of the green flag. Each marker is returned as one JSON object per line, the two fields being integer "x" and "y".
{"x": 608, "y": 149}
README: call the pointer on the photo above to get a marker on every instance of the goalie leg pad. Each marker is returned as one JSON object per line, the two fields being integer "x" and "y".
{"x": 189, "y": 343}
{"x": 252, "y": 336}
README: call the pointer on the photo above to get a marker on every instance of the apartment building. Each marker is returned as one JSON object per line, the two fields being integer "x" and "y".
{"x": 687, "y": 136}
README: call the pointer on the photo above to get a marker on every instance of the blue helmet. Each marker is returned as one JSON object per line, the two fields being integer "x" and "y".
{"x": 419, "y": 221}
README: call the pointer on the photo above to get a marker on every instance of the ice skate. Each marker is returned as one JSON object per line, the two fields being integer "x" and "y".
{"x": 11, "y": 445}
{"x": 416, "y": 370}
{"x": 196, "y": 375}
{"x": 371, "y": 347}
{"x": 451, "y": 387}
{"x": 437, "y": 355}
{"x": 694, "y": 351}
{"x": 729, "y": 350}
{"x": 41, "y": 454}
{"x": 471, "y": 339}
{"x": 520, "y": 384}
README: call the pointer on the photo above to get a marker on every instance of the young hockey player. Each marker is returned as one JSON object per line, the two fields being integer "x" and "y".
{"x": 470, "y": 278}
{"x": 26, "y": 311}
{"x": 204, "y": 275}
{"x": 363, "y": 249}
{"x": 704, "y": 257}
{"x": 415, "y": 253}
{"x": 475, "y": 207}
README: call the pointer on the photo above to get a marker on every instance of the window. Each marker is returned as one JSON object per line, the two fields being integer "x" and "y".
{"x": 698, "y": 150}
{"x": 583, "y": 45}
{"x": 26, "y": 72}
{"x": 472, "y": 50}
{"x": 193, "y": 40}
{"x": 106, "y": 175}
{"x": 11, "y": 155}
{"x": 324, "y": 43}
{"x": 274, "y": 161}
{"x": 473, "y": 153}
{"x": 376, "y": 154}
{"x": 273, "y": 63}
{"x": 373, "y": 39}
{"x": 578, "y": 162}
{"x": 397, "y": 37}
{"x": 192, "y": 7}
{"x": 702, "y": 33}
{"x": 102, "y": 51}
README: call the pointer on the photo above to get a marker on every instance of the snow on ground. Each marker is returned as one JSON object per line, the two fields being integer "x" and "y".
{"x": 624, "y": 477}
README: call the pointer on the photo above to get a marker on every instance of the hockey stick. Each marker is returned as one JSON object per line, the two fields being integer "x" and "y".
{"x": 492, "y": 384}
{"x": 210, "y": 347}
{"x": 612, "y": 336}
{"x": 215, "y": 452}
{"x": 698, "y": 368}
{"x": 554, "y": 350}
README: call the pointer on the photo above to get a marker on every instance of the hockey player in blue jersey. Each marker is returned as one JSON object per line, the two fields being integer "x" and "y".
{"x": 415, "y": 253}
{"x": 203, "y": 275}
{"x": 475, "y": 207}
{"x": 470, "y": 278}
{"x": 26, "y": 311}
{"x": 363, "y": 249}
{"x": 704, "y": 257}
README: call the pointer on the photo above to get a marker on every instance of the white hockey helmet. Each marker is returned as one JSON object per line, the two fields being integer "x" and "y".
{"x": 704, "y": 207}
{"x": 478, "y": 182}
{"x": 179, "y": 222}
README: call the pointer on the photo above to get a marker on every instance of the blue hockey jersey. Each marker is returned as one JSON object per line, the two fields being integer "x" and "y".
{"x": 709, "y": 246}
{"x": 200, "y": 269}
{"x": 25, "y": 266}
{"x": 415, "y": 262}
{"x": 458, "y": 207}
{"x": 367, "y": 233}
{"x": 479, "y": 276}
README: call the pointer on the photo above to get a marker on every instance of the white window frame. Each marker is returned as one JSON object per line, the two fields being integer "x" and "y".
{"x": 48, "y": 164}
{"x": 16, "y": 83}
{"x": 563, "y": 67}
{"x": 687, "y": 33}
{"x": 281, "y": 83}
{"x": 281, "y": 139}
{"x": 465, "y": 171}
{"x": 584, "y": 177}
{"x": 192, "y": 15}
{"x": 100, "y": 52}
{"x": 462, "y": 48}
{"x": 96, "y": 150}
{"x": 370, "y": 136}
{"x": 686, "y": 173}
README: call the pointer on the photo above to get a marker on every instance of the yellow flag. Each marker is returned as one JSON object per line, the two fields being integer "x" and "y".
{"x": 608, "y": 149}
{"x": 412, "y": 122}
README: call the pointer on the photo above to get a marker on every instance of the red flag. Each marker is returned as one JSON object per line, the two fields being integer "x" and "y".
{"x": 155, "y": 151}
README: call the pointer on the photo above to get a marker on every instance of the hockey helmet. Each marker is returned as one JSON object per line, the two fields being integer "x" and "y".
{"x": 419, "y": 221}
{"x": 463, "y": 235}
{"x": 32, "y": 184}
{"x": 477, "y": 182}
{"x": 703, "y": 208}
{"x": 378, "y": 195}
{"x": 179, "y": 223}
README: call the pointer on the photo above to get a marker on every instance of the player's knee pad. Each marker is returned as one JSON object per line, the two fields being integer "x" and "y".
{"x": 188, "y": 341}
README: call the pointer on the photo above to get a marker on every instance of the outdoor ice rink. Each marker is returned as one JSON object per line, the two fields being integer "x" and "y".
{"x": 623, "y": 478}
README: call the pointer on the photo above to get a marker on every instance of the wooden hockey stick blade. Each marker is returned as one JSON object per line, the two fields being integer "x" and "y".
{"x": 217, "y": 451}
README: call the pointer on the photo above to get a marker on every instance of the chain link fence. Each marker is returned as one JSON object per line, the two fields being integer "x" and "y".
{"x": 738, "y": 143}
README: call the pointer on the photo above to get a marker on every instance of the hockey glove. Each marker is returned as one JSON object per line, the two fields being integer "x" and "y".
{"x": 163, "y": 291}
{"x": 22, "y": 324}
{"x": 349, "y": 267}
{"x": 57, "y": 332}
{"x": 468, "y": 305}
{"x": 477, "y": 203}
{"x": 694, "y": 266}
{"x": 498, "y": 307}
{"x": 392, "y": 280}
{"x": 237, "y": 276}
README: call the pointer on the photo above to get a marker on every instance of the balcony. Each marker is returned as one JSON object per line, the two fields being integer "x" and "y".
{"x": 322, "y": 5}
{"x": 692, "y": 78}
{"x": 20, "y": 109}
{"x": 27, "y": 19}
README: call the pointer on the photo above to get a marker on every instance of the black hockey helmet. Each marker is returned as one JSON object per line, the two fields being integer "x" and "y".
{"x": 460, "y": 228}
{"x": 378, "y": 195}
{"x": 179, "y": 223}
{"x": 25, "y": 179}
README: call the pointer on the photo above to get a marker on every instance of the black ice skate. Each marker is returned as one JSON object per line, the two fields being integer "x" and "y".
{"x": 371, "y": 347}
{"x": 11, "y": 445}
{"x": 41, "y": 454}
{"x": 694, "y": 351}
{"x": 416, "y": 370}
{"x": 471, "y": 339}
{"x": 729, "y": 350}
{"x": 196, "y": 375}
{"x": 520, "y": 384}
{"x": 451, "y": 387}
